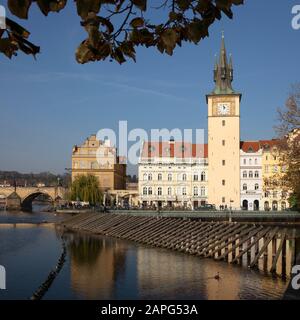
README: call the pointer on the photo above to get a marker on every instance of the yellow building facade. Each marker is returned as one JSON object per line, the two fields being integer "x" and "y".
{"x": 274, "y": 197}
{"x": 100, "y": 159}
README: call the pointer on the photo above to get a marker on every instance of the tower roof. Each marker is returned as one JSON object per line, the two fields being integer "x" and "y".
{"x": 223, "y": 72}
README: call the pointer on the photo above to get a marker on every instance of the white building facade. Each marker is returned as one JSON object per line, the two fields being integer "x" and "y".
{"x": 173, "y": 174}
{"x": 251, "y": 176}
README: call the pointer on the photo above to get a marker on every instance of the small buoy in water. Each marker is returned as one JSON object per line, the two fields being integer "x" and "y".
{"x": 217, "y": 276}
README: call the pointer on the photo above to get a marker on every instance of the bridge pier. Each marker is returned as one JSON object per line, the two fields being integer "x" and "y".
{"x": 13, "y": 202}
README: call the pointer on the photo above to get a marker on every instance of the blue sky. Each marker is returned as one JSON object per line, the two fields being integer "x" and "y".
{"x": 49, "y": 104}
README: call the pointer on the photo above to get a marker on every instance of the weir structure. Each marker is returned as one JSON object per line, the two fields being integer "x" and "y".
{"x": 270, "y": 248}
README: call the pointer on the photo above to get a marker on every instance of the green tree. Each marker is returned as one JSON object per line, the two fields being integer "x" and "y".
{"x": 288, "y": 131}
{"x": 116, "y": 27}
{"x": 86, "y": 188}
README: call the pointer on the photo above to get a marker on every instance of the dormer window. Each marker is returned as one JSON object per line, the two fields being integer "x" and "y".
{"x": 151, "y": 149}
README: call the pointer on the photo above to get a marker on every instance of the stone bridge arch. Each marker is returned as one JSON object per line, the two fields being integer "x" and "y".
{"x": 26, "y": 203}
{"x": 28, "y": 194}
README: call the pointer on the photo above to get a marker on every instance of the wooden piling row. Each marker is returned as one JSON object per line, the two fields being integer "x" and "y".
{"x": 217, "y": 240}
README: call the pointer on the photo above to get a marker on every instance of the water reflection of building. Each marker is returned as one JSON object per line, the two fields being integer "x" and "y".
{"x": 95, "y": 265}
{"x": 184, "y": 277}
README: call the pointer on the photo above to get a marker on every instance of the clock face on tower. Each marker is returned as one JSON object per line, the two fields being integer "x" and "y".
{"x": 223, "y": 108}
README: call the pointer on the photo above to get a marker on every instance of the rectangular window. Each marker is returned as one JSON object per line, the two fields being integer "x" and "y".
{"x": 266, "y": 169}
{"x": 223, "y": 200}
{"x": 223, "y": 142}
{"x": 223, "y": 123}
{"x": 223, "y": 182}
{"x": 223, "y": 162}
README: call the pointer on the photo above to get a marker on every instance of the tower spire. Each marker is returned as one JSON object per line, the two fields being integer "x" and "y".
{"x": 223, "y": 72}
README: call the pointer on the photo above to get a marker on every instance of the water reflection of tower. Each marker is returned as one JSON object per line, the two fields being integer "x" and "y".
{"x": 95, "y": 265}
{"x": 228, "y": 287}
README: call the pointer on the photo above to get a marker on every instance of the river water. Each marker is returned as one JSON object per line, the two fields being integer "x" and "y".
{"x": 106, "y": 268}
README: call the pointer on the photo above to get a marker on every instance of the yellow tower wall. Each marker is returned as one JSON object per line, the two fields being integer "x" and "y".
{"x": 230, "y": 152}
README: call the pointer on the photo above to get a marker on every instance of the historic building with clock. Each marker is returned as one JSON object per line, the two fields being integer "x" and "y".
{"x": 229, "y": 173}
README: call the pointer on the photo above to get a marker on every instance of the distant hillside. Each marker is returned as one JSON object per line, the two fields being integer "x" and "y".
{"x": 33, "y": 179}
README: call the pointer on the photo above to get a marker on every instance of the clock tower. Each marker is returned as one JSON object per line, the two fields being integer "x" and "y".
{"x": 224, "y": 136}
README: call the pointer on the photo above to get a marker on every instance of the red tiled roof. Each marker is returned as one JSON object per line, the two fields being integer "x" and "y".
{"x": 174, "y": 150}
{"x": 189, "y": 150}
{"x": 250, "y": 146}
{"x": 254, "y": 146}
{"x": 266, "y": 144}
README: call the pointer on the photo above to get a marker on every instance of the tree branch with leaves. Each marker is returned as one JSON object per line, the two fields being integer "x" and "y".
{"x": 288, "y": 131}
{"x": 115, "y": 28}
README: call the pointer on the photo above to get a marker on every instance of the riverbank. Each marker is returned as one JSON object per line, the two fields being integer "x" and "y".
{"x": 129, "y": 270}
{"x": 221, "y": 241}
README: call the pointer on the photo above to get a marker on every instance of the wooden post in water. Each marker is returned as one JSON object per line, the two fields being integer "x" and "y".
{"x": 293, "y": 249}
{"x": 283, "y": 260}
{"x": 257, "y": 245}
{"x": 265, "y": 257}
{"x": 233, "y": 251}
{"x": 240, "y": 249}
{"x": 226, "y": 249}
{"x": 274, "y": 248}
{"x": 249, "y": 252}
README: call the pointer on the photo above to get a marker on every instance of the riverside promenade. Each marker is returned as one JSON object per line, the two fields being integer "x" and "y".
{"x": 273, "y": 217}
